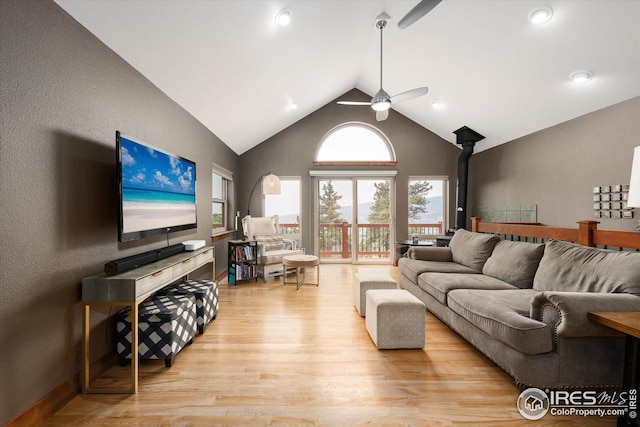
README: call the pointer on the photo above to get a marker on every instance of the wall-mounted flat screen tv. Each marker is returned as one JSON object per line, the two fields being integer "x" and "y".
{"x": 156, "y": 189}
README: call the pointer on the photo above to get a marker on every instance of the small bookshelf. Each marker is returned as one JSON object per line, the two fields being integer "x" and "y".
{"x": 243, "y": 259}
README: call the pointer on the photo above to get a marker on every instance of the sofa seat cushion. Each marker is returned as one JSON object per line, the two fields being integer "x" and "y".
{"x": 412, "y": 268}
{"x": 567, "y": 267}
{"x": 514, "y": 262}
{"x": 503, "y": 315}
{"x": 472, "y": 249}
{"x": 275, "y": 257}
{"x": 438, "y": 285}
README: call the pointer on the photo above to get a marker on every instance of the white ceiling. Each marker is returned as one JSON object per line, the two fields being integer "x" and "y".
{"x": 227, "y": 64}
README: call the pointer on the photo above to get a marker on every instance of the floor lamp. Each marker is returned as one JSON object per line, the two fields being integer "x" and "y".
{"x": 633, "y": 200}
{"x": 270, "y": 185}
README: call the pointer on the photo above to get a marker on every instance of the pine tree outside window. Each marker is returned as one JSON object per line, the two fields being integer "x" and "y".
{"x": 427, "y": 205}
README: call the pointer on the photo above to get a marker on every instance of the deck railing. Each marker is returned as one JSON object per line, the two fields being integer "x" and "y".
{"x": 290, "y": 228}
{"x": 426, "y": 229}
{"x": 335, "y": 239}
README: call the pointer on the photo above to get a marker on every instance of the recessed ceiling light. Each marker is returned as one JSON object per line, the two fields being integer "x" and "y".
{"x": 541, "y": 14}
{"x": 291, "y": 106}
{"x": 581, "y": 76}
{"x": 283, "y": 18}
{"x": 437, "y": 105}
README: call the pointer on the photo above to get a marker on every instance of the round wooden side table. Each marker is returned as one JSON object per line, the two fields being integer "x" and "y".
{"x": 298, "y": 262}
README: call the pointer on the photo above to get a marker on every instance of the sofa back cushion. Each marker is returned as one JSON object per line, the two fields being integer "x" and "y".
{"x": 568, "y": 267}
{"x": 472, "y": 249}
{"x": 514, "y": 262}
{"x": 271, "y": 242}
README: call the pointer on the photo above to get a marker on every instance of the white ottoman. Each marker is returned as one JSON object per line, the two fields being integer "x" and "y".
{"x": 365, "y": 281}
{"x": 395, "y": 319}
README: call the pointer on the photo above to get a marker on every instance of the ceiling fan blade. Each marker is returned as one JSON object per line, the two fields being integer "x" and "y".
{"x": 382, "y": 115}
{"x": 417, "y": 12}
{"x": 410, "y": 94}
{"x": 354, "y": 103}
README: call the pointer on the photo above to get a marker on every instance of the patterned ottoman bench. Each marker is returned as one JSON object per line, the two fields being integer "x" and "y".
{"x": 166, "y": 323}
{"x": 395, "y": 319}
{"x": 206, "y": 293}
{"x": 366, "y": 280}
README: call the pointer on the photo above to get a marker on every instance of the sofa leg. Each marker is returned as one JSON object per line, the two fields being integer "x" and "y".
{"x": 168, "y": 362}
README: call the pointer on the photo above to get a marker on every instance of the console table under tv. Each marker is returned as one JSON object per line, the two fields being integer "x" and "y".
{"x": 129, "y": 289}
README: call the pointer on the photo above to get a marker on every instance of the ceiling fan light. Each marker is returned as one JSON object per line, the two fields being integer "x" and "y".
{"x": 381, "y": 105}
{"x": 541, "y": 15}
{"x": 283, "y": 18}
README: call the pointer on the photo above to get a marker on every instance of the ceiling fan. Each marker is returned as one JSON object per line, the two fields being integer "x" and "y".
{"x": 381, "y": 102}
{"x": 417, "y": 12}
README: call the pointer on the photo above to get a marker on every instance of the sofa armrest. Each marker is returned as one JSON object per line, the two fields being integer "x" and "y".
{"x": 430, "y": 253}
{"x": 566, "y": 312}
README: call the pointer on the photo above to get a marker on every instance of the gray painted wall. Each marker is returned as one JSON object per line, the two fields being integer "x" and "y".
{"x": 557, "y": 168}
{"x": 63, "y": 94}
{"x": 291, "y": 153}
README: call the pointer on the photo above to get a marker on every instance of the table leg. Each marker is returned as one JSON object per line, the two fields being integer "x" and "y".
{"x": 135, "y": 359}
{"x": 86, "y": 327}
{"x": 631, "y": 379}
{"x": 86, "y": 359}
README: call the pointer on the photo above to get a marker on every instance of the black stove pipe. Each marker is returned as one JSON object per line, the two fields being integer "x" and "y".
{"x": 467, "y": 138}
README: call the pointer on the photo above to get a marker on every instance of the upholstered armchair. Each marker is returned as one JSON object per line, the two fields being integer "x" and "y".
{"x": 272, "y": 246}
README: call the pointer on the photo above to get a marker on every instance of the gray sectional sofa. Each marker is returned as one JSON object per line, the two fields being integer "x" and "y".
{"x": 525, "y": 305}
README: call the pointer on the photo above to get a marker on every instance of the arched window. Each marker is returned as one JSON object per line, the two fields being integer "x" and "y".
{"x": 355, "y": 143}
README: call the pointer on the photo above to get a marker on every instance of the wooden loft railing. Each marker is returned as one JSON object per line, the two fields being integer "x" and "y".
{"x": 587, "y": 233}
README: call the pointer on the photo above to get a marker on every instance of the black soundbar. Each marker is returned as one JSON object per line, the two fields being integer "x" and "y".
{"x": 134, "y": 261}
{"x": 170, "y": 250}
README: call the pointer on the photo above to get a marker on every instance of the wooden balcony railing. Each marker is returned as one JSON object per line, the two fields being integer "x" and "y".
{"x": 426, "y": 229}
{"x": 335, "y": 239}
{"x": 290, "y": 228}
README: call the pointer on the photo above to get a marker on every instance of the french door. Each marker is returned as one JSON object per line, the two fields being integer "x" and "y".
{"x": 354, "y": 219}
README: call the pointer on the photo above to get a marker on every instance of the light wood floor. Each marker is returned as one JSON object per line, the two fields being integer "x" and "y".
{"x": 277, "y": 356}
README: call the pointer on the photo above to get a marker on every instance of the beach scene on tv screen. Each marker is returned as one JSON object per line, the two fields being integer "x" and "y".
{"x": 158, "y": 190}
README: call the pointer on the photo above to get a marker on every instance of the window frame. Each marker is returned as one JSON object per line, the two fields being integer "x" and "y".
{"x": 225, "y": 200}
{"x": 383, "y": 138}
{"x": 298, "y": 179}
{"x": 445, "y": 197}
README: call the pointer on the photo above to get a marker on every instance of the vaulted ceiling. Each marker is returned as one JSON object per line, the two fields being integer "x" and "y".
{"x": 486, "y": 65}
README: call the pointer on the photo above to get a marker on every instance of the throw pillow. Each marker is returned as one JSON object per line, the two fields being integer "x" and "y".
{"x": 514, "y": 262}
{"x": 472, "y": 249}
{"x": 270, "y": 243}
{"x": 568, "y": 267}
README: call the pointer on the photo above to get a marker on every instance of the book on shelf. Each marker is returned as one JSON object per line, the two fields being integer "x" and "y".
{"x": 245, "y": 253}
{"x": 245, "y": 271}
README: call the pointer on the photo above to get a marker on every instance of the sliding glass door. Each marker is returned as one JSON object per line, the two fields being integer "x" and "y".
{"x": 354, "y": 219}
